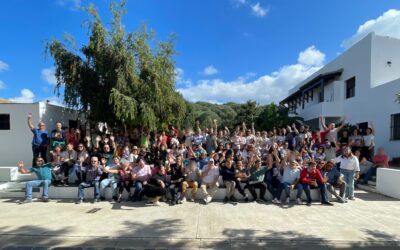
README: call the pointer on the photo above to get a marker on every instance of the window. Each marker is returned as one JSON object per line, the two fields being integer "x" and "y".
{"x": 395, "y": 127}
{"x": 351, "y": 87}
{"x": 4, "y": 121}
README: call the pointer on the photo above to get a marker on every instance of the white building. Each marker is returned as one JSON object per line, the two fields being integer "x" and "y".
{"x": 15, "y": 135}
{"x": 362, "y": 84}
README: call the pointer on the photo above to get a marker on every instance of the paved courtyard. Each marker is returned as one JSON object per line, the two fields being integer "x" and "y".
{"x": 372, "y": 221}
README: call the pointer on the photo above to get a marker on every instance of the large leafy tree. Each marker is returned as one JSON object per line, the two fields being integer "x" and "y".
{"x": 118, "y": 76}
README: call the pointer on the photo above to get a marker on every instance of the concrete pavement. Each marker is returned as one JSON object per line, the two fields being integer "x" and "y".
{"x": 369, "y": 222}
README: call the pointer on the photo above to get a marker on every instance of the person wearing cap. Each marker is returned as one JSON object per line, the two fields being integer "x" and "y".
{"x": 335, "y": 180}
{"x": 112, "y": 178}
{"x": 210, "y": 175}
{"x": 311, "y": 177}
{"x": 43, "y": 173}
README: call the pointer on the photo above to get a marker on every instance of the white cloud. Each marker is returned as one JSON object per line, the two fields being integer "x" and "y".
{"x": 48, "y": 76}
{"x": 3, "y": 66}
{"x": 265, "y": 89}
{"x": 180, "y": 78}
{"x": 258, "y": 10}
{"x": 311, "y": 56}
{"x": 238, "y": 3}
{"x": 387, "y": 24}
{"x": 2, "y": 85}
{"x": 26, "y": 97}
{"x": 209, "y": 70}
{"x": 74, "y": 3}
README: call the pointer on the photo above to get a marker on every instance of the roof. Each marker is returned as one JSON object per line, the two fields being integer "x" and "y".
{"x": 3, "y": 101}
{"x": 314, "y": 82}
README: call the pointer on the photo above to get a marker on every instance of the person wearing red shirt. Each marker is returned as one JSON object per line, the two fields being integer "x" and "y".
{"x": 380, "y": 160}
{"x": 311, "y": 177}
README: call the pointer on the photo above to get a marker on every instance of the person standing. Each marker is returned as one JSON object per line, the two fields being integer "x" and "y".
{"x": 350, "y": 168}
{"x": 40, "y": 140}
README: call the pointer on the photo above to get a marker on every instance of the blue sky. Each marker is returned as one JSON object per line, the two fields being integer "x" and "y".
{"x": 228, "y": 50}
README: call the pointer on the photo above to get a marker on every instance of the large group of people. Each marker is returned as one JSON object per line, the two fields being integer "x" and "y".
{"x": 165, "y": 165}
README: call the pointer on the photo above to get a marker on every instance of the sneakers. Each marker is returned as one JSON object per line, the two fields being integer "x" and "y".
{"x": 79, "y": 201}
{"x": 207, "y": 199}
{"x": 102, "y": 198}
{"x": 287, "y": 200}
{"x": 263, "y": 199}
{"x": 191, "y": 200}
{"x": 340, "y": 199}
{"x": 226, "y": 199}
{"x": 26, "y": 201}
{"x": 276, "y": 201}
{"x": 95, "y": 200}
{"x": 327, "y": 203}
{"x": 298, "y": 201}
{"x": 308, "y": 203}
{"x": 45, "y": 199}
{"x": 156, "y": 203}
{"x": 352, "y": 198}
{"x": 246, "y": 198}
{"x": 183, "y": 200}
{"x": 233, "y": 199}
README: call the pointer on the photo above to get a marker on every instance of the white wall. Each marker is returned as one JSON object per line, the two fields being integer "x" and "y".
{"x": 16, "y": 142}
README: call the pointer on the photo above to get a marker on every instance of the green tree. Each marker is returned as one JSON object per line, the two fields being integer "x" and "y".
{"x": 118, "y": 76}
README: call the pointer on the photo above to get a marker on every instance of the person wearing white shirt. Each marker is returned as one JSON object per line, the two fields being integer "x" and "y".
{"x": 369, "y": 144}
{"x": 350, "y": 168}
{"x": 210, "y": 175}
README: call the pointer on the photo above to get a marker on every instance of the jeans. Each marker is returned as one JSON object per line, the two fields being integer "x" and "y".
{"x": 252, "y": 190}
{"x": 307, "y": 187}
{"x": 331, "y": 188}
{"x": 348, "y": 176}
{"x": 37, "y": 183}
{"x": 108, "y": 183}
{"x": 175, "y": 188}
{"x": 36, "y": 150}
{"x": 370, "y": 172}
{"x": 240, "y": 188}
{"x": 138, "y": 185}
{"x": 84, "y": 185}
{"x": 286, "y": 186}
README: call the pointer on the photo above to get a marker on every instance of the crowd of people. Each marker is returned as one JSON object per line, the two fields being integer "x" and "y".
{"x": 167, "y": 164}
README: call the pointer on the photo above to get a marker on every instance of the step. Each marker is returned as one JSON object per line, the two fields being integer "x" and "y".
{"x": 8, "y": 173}
{"x": 72, "y": 193}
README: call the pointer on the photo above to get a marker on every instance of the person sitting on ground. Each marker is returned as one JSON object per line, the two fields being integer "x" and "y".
{"x": 43, "y": 173}
{"x": 256, "y": 179}
{"x": 92, "y": 175}
{"x": 112, "y": 179}
{"x": 210, "y": 175}
{"x": 289, "y": 181}
{"x": 335, "y": 180}
{"x": 227, "y": 171}
{"x": 311, "y": 177}
{"x": 192, "y": 174}
{"x": 381, "y": 159}
{"x": 140, "y": 175}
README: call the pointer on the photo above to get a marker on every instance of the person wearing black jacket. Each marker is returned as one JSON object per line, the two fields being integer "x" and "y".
{"x": 177, "y": 172}
{"x": 227, "y": 171}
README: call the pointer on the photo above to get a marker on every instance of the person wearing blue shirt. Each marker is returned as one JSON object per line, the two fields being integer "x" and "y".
{"x": 335, "y": 180}
{"x": 43, "y": 173}
{"x": 40, "y": 140}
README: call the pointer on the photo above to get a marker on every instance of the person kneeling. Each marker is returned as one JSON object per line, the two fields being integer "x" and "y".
{"x": 335, "y": 180}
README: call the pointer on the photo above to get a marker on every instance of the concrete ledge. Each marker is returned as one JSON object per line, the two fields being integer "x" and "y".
{"x": 388, "y": 182}
{"x": 72, "y": 193}
{"x": 8, "y": 173}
